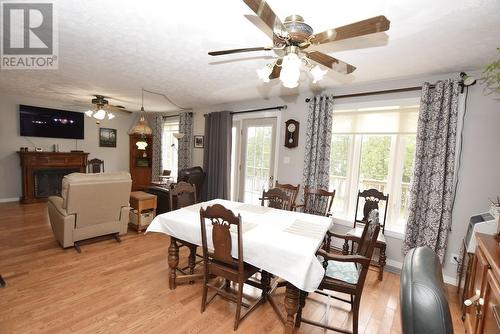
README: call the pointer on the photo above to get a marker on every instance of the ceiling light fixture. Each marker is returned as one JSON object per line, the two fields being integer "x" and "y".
{"x": 142, "y": 128}
{"x": 290, "y": 68}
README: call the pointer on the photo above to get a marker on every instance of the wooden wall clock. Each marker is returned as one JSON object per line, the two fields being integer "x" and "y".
{"x": 291, "y": 133}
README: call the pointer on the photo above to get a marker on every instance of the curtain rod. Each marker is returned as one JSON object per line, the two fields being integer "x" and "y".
{"x": 386, "y": 91}
{"x": 377, "y": 92}
{"x": 282, "y": 107}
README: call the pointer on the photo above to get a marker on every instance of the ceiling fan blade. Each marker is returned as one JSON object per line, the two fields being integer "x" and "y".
{"x": 262, "y": 9}
{"x": 329, "y": 61}
{"x": 226, "y": 52}
{"x": 276, "y": 70}
{"x": 365, "y": 27}
{"x": 113, "y": 108}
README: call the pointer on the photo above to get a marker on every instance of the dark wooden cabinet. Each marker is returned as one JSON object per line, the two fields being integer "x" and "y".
{"x": 140, "y": 164}
{"x": 483, "y": 315}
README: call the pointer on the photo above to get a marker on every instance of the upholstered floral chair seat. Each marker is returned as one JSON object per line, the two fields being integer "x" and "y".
{"x": 342, "y": 271}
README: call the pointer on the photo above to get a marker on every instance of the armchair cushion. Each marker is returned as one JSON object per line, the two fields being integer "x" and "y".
{"x": 342, "y": 271}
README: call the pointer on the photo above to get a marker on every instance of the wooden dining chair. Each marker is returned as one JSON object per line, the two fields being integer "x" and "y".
{"x": 290, "y": 190}
{"x": 372, "y": 199}
{"x": 345, "y": 274}
{"x": 226, "y": 235}
{"x": 181, "y": 195}
{"x": 276, "y": 198}
{"x": 95, "y": 166}
{"x": 317, "y": 202}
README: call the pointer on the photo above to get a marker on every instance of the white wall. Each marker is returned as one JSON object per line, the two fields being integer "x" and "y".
{"x": 478, "y": 176}
{"x": 115, "y": 159}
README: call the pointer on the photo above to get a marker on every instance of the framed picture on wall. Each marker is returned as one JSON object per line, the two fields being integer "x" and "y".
{"x": 107, "y": 137}
{"x": 199, "y": 141}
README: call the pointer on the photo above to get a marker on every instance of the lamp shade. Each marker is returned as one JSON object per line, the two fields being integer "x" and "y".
{"x": 142, "y": 127}
{"x": 141, "y": 144}
{"x": 178, "y": 135}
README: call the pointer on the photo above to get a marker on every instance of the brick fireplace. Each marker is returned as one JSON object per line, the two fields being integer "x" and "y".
{"x": 42, "y": 172}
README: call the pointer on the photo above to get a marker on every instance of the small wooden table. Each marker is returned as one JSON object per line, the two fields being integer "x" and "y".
{"x": 141, "y": 201}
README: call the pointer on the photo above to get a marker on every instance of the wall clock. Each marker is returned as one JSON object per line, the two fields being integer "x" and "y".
{"x": 291, "y": 133}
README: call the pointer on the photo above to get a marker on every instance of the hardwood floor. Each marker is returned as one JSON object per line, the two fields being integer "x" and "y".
{"x": 123, "y": 288}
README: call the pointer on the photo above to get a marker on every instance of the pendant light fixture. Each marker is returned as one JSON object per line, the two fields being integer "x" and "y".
{"x": 142, "y": 128}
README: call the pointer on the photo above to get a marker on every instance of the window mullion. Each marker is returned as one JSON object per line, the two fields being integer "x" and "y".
{"x": 354, "y": 175}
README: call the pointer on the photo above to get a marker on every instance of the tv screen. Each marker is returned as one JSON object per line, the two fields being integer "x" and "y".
{"x": 52, "y": 123}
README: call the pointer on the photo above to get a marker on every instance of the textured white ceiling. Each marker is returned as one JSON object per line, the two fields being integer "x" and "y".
{"x": 116, "y": 47}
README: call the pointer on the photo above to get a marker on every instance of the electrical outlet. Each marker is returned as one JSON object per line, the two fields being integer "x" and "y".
{"x": 454, "y": 259}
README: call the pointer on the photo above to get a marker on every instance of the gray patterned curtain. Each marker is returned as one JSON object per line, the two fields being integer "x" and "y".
{"x": 318, "y": 142}
{"x": 185, "y": 143}
{"x": 431, "y": 190}
{"x": 155, "y": 121}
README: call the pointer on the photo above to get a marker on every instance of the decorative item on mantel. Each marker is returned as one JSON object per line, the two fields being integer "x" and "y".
{"x": 142, "y": 128}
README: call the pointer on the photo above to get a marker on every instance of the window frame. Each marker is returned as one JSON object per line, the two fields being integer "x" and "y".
{"x": 395, "y": 167}
{"x": 169, "y": 120}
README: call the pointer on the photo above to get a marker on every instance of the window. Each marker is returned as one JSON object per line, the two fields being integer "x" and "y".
{"x": 170, "y": 145}
{"x": 373, "y": 148}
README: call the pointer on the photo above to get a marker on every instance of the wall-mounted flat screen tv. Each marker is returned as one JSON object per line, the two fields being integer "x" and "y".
{"x": 52, "y": 123}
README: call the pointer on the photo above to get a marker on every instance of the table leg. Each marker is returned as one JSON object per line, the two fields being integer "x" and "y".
{"x": 173, "y": 261}
{"x": 381, "y": 262}
{"x": 291, "y": 307}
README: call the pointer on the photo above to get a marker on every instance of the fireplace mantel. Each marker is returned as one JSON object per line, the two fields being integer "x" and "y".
{"x": 33, "y": 162}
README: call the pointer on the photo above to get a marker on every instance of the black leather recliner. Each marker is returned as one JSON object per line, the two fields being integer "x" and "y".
{"x": 193, "y": 175}
{"x": 424, "y": 308}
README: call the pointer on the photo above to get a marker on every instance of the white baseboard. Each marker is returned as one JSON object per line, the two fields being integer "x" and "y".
{"x": 6, "y": 200}
{"x": 395, "y": 267}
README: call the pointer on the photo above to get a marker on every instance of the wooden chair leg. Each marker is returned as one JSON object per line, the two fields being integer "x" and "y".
{"x": 355, "y": 315}
{"x": 192, "y": 259}
{"x": 381, "y": 262}
{"x": 238, "y": 305}
{"x": 204, "y": 294}
{"x": 117, "y": 237}
{"x": 345, "y": 247}
{"x": 2, "y": 282}
{"x": 302, "y": 303}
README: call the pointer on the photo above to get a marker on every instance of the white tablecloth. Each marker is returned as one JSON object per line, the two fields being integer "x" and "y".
{"x": 280, "y": 242}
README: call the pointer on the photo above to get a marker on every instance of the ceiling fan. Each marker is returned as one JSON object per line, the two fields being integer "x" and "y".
{"x": 102, "y": 109}
{"x": 292, "y": 39}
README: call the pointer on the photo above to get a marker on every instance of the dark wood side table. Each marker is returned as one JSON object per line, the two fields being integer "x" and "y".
{"x": 142, "y": 201}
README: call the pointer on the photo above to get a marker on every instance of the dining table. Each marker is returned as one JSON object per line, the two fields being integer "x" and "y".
{"x": 282, "y": 243}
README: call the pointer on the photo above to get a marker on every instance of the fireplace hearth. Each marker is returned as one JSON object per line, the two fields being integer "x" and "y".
{"x": 47, "y": 182}
{"x": 42, "y": 172}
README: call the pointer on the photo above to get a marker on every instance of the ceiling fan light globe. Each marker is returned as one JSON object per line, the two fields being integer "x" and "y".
{"x": 264, "y": 73}
{"x": 317, "y": 73}
{"x": 290, "y": 70}
{"x": 100, "y": 114}
{"x": 89, "y": 113}
{"x": 111, "y": 115}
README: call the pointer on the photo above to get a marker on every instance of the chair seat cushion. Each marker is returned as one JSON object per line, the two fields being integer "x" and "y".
{"x": 358, "y": 231}
{"x": 342, "y": 271}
